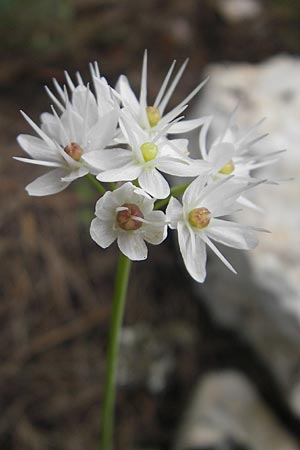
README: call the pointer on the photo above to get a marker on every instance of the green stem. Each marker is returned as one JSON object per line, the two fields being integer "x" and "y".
{"x": 121, "y": 283}
{"x": 96, "y": 183}
{"x": 175, "y": 192}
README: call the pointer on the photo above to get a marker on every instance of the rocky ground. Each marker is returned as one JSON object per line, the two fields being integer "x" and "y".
{"x": 56, "y": 284}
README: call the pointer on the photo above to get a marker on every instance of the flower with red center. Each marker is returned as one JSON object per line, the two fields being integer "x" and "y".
{"x": 127, "y": 215}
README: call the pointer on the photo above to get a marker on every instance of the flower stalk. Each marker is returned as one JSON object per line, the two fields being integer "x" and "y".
{"x": 121, "y": 284}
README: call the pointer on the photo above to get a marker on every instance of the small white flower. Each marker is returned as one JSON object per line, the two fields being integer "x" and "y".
{"x": 197, "y": 222}
{"x": 86, "y": 123}
{"x": 127, "y": 215}
{"x": 144, "y": 160}
{"x": 232, "y": 154}
{"x": 152, "y": 118}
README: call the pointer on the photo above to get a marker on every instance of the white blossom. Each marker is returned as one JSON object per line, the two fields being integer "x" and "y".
{"x": 152, "y": 117}
{"x": 144, "y": 160}
{"x": 85, "y": 123}
{"x": 127, "y": 215}
{"x": 198, "y": 222}
{"x": 233, "y": 154}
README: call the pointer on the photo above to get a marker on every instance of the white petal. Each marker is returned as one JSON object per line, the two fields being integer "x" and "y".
{"x": 124, "y": 88}
{"x": 218, "y": 253}
{"x": 74, "y": 174}
{"x": 221, "y": 154}
{"x": 193, "y": 252}
{"x": 132, "y": 245}
{"x": 232, "y": 234}
{"x": 203, "y": 136}
{"x": 48, "y": 184}
{"x": 103, "y": 131}
{"x": 38, "y": 162}
{"x": 126, "y": 173}
{"x": 108, "y": 159}
{"x": 195, "y": 190}
{"x": 39, "y": 131}
{"x": 102, "y": 232}
{"x": 85, "y": 103}
{"x": 182, "y": 167}
{"x": 143, "y": 92}
{"x": 187, "y": 125}
{"x": 165, "y": 100}
{"x": 154, "y": 183}
{"x": 174, "y": 212}
{"x": 156, "y": 231}
{"x": 37, "y": 148}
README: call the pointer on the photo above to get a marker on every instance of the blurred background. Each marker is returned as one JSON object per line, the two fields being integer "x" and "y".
{"x": 230, "y": 356}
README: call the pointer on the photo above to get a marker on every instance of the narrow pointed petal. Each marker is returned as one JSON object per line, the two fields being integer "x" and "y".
{"x": 127, "y": 94}
{"x": 164, "y": 86}
{"x": 203, "y": 136}
{"x": 38, "y": 130}
{"x": 166, "y": 98}
{"x": 37, "y": 148}
{"x": 193, "y": 252}
{"x": 219, "y": 254}
{"x": 232, "y": 234}
{"x": 38, "y": 162}
{"x": 195, "y": 190}
{"x": 192, "y": 94}
{"x": 187, "y": 125}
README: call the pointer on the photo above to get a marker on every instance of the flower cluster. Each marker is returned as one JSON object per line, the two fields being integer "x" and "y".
{"x": 132, "y": 144}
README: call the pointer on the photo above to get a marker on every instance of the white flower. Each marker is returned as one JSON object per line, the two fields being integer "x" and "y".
{"x": 197, "y": 222}
{"x": 152, "y": 118}
{"x": 86, "y": 123}
{"x": 127, "y": 215}
{"x": 144, "y": 160}
{"x": 232, "y": 154}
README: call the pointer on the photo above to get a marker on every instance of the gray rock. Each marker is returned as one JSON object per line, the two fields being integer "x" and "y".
{"x": 227, "y": 413}
{"x": 262, "y": 302}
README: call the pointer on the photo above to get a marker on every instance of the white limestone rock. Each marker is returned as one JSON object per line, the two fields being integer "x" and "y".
{"x": 226, "y": 412}
{"x": 263, "y": 301}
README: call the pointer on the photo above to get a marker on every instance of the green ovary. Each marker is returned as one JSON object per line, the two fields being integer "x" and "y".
{"x": 153, "y": 115}
{"x": 228, "y": 168}
{"x": 149, "y": 151}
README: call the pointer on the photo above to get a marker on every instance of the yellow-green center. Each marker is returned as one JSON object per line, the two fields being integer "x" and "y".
{"x": 228, "y": 168}
{"x": 74, "y": 151}
{"x": 149, "y": 151}
{"x": 153, "y": 115}
{"x": 199, "y": 217}
{"x": 127, "y": 218}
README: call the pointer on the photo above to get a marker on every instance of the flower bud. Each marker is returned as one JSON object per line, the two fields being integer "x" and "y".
{"x": 228, "y": 168}
{"x": 199, "y": 217}
{"x": 149, "y": 151}
{"x": 153, "y": 115}
{"x": 126, "y": 218}
{"x": 74, "y": 150}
